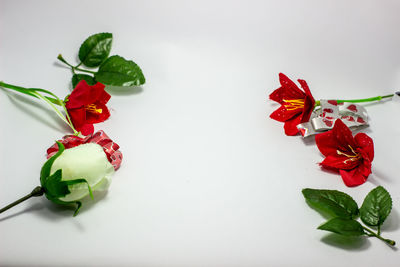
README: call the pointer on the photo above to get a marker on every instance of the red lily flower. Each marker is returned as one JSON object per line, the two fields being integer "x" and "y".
{"x": 351, "y": 156}
{"x": 296, "y": 105}
{"x": 86, "y": 105}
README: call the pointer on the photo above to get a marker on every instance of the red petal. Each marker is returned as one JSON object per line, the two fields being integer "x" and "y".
{"x": 87, "y": 129}
{"x": 98, "y": 94}
{"x": 353, "y": 177}
{"x": 282, "y": 114}
{"x": 291, "y": 126}
{"x": 277, "y": 95}
{"x": 366, "y": 144}
{"x": 291, "y": 89}
{"x": 80, "y": 96}
{"x": 339, "y": 162}
{"x": 326, "y": 143}
{"x": 92, "y": 117}
{"x": 343, "y": 136}
{"x": 78, "y": 117}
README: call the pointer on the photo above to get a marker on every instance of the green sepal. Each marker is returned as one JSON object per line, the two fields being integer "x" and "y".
{"x": 78, "y": 207}
{"x": 331, "y": 203}
{"x": 118, "y": 71}
{"x": 95, "y": 49}
{"x": 45, "y": 171}
{"x": 376, "y": 207}
{"x": 76, "y": 78}
{"x": 343, "y": 226}
{"x": 54, "y": 187}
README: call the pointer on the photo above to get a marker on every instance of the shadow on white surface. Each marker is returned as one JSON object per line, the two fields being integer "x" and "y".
{"x": 377, "y": 177}
{"x": 54, "y": 211}
{"x": 34, "y": 208}
{"x": 346, "y": 243}
{"x": 120, "y": 90}
{"x": 20, "y": 102}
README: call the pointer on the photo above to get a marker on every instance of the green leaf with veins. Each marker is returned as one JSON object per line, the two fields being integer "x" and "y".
{"x": 376, "y": 207}
{"x": 76, "y": 78}
{"x": 95, "y": 49}
{"x": 331, "y": 203}
{"x": 343, "y": 226}
{"x": 118, "y": 71}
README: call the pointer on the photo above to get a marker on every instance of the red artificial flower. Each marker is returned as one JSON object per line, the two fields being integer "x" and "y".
{"x": 86, "y": 105}
{"x": 114, "y": 156}
{"x": 296, "y": 105}
{"x": 351, "y": 156}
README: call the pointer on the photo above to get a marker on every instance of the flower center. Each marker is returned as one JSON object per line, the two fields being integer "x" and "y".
{"x": 93, "y": 108}
{"x": 292, "y": 104}
{"x": 351, "y": 157}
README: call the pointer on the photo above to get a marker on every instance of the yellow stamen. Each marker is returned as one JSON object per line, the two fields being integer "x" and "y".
{"x": 293, "y": 104}
{"x": 354, "y": 157}
{"x": 92, "y": 108}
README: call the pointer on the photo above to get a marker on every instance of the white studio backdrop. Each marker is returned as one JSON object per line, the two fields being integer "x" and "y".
{"x": 208, "y": 179}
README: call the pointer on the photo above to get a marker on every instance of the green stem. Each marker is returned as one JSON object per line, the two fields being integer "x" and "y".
{"x": 27, "y": 91}
{"x": 387, "y": 241}
{"x": 49, "y": 100}
{"x": 370, "y": 99}
{"x": 38, "y": 191}
{"x": 83, "y": 70}
{"x": 60, "y": 57}
{"x": 58, "y": 112}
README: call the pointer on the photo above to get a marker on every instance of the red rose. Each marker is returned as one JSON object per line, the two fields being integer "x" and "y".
{"x": 114, "y": 156}
{"x": 351, "y": 156}
{"x": 86, "y": 105}
{"x": 296, "y": 105}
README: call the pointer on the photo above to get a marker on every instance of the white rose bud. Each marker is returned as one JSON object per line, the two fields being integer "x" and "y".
{"x": 74, "y": 173}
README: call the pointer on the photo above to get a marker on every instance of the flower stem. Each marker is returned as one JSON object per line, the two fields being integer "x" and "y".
{"x": 27, "y": 91}
{"x": 387, "y": 241}
{"x": 49, "y": 100}
{"x": 73, "y": 68}
{"x": 370, "y": 99}
{"x": 38, "y": 191}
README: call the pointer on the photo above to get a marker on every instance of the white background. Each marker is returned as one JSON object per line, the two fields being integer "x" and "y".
{"x": 208, "y": 179}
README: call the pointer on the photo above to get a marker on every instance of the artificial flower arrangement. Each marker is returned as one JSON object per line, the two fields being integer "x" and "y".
{"x": 79, "y": 164}
{"x": 350, "y": 156}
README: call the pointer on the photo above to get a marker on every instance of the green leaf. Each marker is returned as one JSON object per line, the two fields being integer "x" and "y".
{"x": 376, "y": 207}
{"x": 95, "y": 49}
{"x": 331, "y": 203}
{"x": 120, "y": 72}
{"x": 45, "y": 171}
{"x": 76, "y": 78}
{"x": 342, "y": 226}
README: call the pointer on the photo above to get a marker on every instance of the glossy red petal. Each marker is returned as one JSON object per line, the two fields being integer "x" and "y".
{"x": 366, "y": 144}
{"x": 80, "y": 96}
{"x": 87, "y": 129}
{"x": 291, "y": 126}
{"x": 343, "y": 136}
{"x": 78, "y": 117}
{"x": 306, "y": 89}
{"x": 277, "y": 95}
{"x": 292, "y": 91}
{"x": 98, "y": 94}
{"x": 326, "y": 143}
{"x": 282, "y": 114}
{"x": 353, "y": 177}
{"x": 339, "y": 162}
